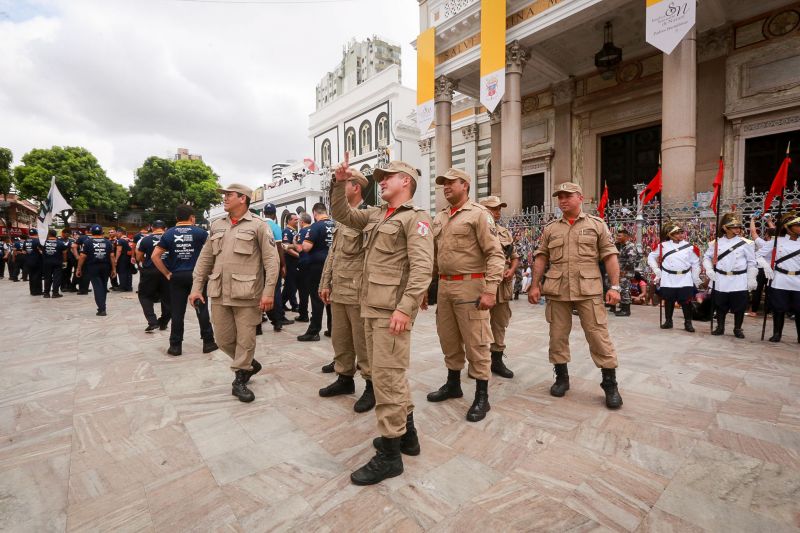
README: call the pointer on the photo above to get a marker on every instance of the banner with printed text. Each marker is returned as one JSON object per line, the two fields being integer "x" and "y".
{"x": 493, "y": 53}
{"x": 426, "y": 54}
{"x": 668, "y": 21}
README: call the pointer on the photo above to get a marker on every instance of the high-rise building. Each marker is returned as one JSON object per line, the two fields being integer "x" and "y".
{"x": 184, "y": 155}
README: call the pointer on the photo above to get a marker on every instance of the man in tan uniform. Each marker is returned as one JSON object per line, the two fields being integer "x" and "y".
{"x": 501, "y": 312}
{"x": 398, "y": 260}
{"x": 572, "y": 246}
{"x": 240, "y": 264}
{"x": 341, "y": 288}
{"x": 469, "y": 263}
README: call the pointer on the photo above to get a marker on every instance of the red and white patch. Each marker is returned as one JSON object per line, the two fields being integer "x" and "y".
{"x": 423, "y": 228}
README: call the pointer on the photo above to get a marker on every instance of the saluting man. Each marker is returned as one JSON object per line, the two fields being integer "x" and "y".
{"x": 573, "y": 245}
{"x": 784, "y": 294}
{"x": 341, "y": 289}
{"x": 470, "y": 266}
{"x": 676, "y": 265}
{"x": 733, "y": 271}
{"x": 398, "y": 260}
{"x": 500, "y": 314}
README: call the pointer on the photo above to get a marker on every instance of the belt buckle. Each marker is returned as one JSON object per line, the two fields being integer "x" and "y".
{"x": 729, "y": 273}
{"x": 680, "y": 272}
{"x": 793, "y": 273}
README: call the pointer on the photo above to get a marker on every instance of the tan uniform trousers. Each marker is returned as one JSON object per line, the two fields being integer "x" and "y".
{"x": 594, "y": 321}
{"x": 389, "y": 357}
{"x": 464, "y": 331}
{"x": 235, "y": 332}
{"x": 349, "y": 343}
{"x": 500, "y": 318}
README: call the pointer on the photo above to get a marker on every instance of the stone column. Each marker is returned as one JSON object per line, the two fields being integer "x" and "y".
{"x": 679, "y": 120}
{"x": 495, "y": 157}
{"x": 470, "y": 136}
{"x": 563, "y": 95}
{"x": 423, "y": 198}
{"x": 511, "y": 127}
{"x": 443, "y": 103}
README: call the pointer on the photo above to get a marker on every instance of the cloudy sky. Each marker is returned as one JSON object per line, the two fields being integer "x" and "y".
{"x": 232, "y": 80}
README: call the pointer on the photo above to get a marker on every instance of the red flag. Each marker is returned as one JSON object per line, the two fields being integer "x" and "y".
{"x": 601, "y": 207}
{"x": 310, "y": 164}
{"x": 653, "y": 188}
{"x": 779, "y": 183}
{"x": 717, "y": 186}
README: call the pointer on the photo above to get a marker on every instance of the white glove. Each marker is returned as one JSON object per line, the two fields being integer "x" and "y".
{"x": 752, "y": 278}
{"x": 711, "y": 275}
{"x": 657, "y": 276}
{"x": 762, "y": 263}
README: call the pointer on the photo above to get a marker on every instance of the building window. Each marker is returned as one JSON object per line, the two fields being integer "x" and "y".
{"x": 382, "y": 130}
{"x": 326, "y": 153}
{"x": 350, "y": 141}
{"x": 628, "y": 158}
{"x": 365, "y": 137}
{"x": 764, "y": 155}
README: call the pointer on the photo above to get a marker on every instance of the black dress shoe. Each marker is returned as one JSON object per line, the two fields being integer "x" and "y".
{"x": 175, "y": 349}
{"x": 163, "y": 323}
{"x": 301, "y": 319}
{"x": 46, "y": 295}
{"x": 327, "y": 333}
{"x": 277, "y": 328}
{"x": 209, "y": 346}
{"x": 58, "y": 295}
{"x": 101, "y": 313}
{"x": 286, "y": 322}
{"x": 308, "y": 337}
{"x": 329, "y": 368}
{"x": 151, "y": 328}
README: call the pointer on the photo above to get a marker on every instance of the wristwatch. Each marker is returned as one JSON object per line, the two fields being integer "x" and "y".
{"x": 615, "y": 288}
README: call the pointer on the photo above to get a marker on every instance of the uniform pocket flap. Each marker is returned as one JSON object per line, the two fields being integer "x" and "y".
{"x": 245, "y": 236}
{"x": 217, "y": 235}
{"x": 553, "y": 274}
{"x": 214, "y": 275}
{"x": 554, "y": 243}
{"x": 389, "y": 228}
{"x": 243, "y": 277}
{"x": 587, "y": 239}
{"x": 384, "y": 279}
{"x": 478, "y": 314}
{"x": 460, "y": 229}
{"x": 589, "y": 275}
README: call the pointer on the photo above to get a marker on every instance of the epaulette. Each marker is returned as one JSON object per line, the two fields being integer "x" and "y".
{"x": 748, "y": 241}
{"x": 595, "y": 217}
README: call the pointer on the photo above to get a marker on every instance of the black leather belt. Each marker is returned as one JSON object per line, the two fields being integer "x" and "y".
{"x": 733, "y": 273}
{"x": 787, "y": 272}
{"x": 676, "y": 272}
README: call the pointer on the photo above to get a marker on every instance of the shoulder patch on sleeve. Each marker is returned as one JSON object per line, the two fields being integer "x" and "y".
{"x": 423, "y": 228}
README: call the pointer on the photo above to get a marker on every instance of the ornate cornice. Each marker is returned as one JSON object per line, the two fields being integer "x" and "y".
{"x": 516, "y": 57}
{"x": 444, "y": 88}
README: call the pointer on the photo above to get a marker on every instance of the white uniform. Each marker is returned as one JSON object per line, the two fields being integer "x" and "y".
{"x": 742, "y": 259}
{"x": 683, "y": 261}
{"x": 782, "y": 280}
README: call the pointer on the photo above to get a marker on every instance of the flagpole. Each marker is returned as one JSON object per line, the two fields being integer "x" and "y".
{"x": 774, "y": 252}
{"x": 716, "y": 247}
{"x": 661, "y": 249}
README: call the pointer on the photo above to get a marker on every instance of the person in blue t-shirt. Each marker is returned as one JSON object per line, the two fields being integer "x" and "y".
{"x": 277, "y": 315}
{"x": 181, "y": 245}
{"x": 54, "y": 256}
{"x": 290, "y": 255}
{"x": 316, "y": 244}
{"x": 83, "y": 282}
{"x": 124, "y": 254}
{"x": 153, "y": 286}
{"x": 96, "y": 254}
{"x": 33, "y": 262}
{"x": 302, "y": 261}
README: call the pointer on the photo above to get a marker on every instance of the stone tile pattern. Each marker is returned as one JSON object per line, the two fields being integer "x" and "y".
{"x": 101, "y": 431}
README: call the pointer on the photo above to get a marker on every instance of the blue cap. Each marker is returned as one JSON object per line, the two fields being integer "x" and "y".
{"x": 33, "y": 231}
{"x": 270, "y": 209}
{"x": 96, "y": 229}
{"x": 159, "y": 224}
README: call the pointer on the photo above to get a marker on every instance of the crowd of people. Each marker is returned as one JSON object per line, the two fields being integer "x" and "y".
{"x": 376, "y": 267}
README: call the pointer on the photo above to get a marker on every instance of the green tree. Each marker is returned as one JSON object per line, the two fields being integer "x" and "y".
{"x": 5, "y": 170}
{"x": 79, "y": 177}
{"x": 161, "y": 184}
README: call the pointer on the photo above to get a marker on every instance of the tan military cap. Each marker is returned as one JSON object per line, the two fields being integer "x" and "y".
{"x": 671, "y": 227}
{"x": 237, "y": 187}
{"x": 359, "y": 178}
{"x": 393, "y": 168}
{"x": 493, "y": 201}
{"x": 790, "y": 219}
{"x": 730, "y": 220}
{"x": 453, "y": 174}
{"x": 568, "y": 187}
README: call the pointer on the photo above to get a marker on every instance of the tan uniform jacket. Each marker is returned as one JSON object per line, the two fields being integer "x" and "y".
{"x": 467, "y": 243}
{"x": 240, "y": 262}
{"x": 506, "y": 291}
{"x": 344, "y": 266}
{"x": 398, "y": 254}
{"x": 574, "y": 252}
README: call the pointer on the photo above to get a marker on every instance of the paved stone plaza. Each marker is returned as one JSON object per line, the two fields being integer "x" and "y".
{"x": 100, "y": 430}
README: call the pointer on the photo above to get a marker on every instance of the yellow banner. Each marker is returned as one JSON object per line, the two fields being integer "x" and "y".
{"x": 493, "y": 36}
{"x": 426, "y": 55}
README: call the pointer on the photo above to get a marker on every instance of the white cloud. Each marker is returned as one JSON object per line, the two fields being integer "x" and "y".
{"x": 128, "y": 79}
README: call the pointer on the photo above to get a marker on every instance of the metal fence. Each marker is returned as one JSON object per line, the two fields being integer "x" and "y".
{"x": 695, "y": 216}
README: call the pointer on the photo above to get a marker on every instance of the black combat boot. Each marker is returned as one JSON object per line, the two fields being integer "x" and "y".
{"x": 720, "y": 329}
{"x": 256, "y": 369}
{"x": 388, "y": 462}
{"x": 609, "y": 384}
{"x": 175, "y": 349}
{"x": 778, "y": 319}
{"x": 687, "y": 317}
{"x": 451, "y": 389}
{"x": 480, "y": 406}
{"x": 328, "y": 369}
{"x": 240, "y": 389}
{"x": 342, "y": 385}
{"x": 367, "y": 400}
{"x": 624, "y": 310}
{"x": 409, "y": 442}
{"x": 669, "y": 310}
{"x": 209, "y": 346}
{"x": 738, "y": 319}
{"x": 561, "y": 385}
{"x": 499, "y": 367}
